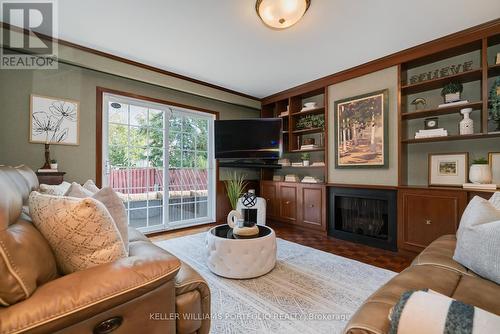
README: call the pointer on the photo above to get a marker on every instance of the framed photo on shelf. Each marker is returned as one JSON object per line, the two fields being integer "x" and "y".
{"x": 361, "y": 131}
{"x": 494, "y": 160}
{"x": 448, "y": 169}
{"x": 54, "y": 120}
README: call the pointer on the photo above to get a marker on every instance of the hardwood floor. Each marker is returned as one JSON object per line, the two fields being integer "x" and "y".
{"x": 374, "y": 256}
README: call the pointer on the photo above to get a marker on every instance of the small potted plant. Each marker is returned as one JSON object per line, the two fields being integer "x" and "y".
{"x": 53, "y": 164}
{"x": 451, "y": 92}
{"x": 305, "y": 159}
{"x": 480, "y": 172}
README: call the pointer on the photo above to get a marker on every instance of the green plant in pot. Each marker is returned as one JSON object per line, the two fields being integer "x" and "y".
{"x": 480, "y": 171}
{"x": 494, "y": 104}
{"x": 235, "y": 187}
{"x": 451, "y": 92}
{"x": 305, "y": 158}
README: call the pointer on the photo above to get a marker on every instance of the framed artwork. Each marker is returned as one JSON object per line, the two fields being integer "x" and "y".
{"x": 54, "y": 120}
{"x": 494, "y": 159}
{"x": 361, "y": 131}
{"x": 448, "y": 169}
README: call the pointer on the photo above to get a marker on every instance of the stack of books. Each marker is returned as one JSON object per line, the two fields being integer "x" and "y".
{"x": 284, "y": 162}
{"x": 297, "y": 164}
{"x": 431, "y": 133}
{"x": 291, "y": 178}
{"x": 310, "y": 179}
{"x": 309, "y": 147}
{"x": 318, "y": 164}
{"x": 450, "y": 104}
{"x": 277, "y": 177}
{"x": 479, "y": 186}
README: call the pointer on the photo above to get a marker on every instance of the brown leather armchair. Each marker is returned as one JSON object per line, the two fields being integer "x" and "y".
{"x": 150, "y": 291}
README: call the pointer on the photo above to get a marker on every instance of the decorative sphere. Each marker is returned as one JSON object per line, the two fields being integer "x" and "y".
{"x": 249, "y": 200}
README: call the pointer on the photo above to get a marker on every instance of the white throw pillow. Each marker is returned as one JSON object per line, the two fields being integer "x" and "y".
{"x": 111, "y": 201}
{"x": 81, "y": 232}
{"x": 495, "y": 200}
{"x": 90, "y": 186}
{"x": 478, "y": 239}
{"x": 55, "y": 190}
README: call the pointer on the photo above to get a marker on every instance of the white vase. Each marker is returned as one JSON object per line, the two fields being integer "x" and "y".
{"x": 53, "y": 166}
{"x": 467, "y": 124}
{"x": 305, "y": 163}
{"x": 480, "y": 174}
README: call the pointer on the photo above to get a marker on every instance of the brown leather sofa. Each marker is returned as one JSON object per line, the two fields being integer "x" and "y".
{"x": 433, "y": 269}
{"x": 150, "y": 291}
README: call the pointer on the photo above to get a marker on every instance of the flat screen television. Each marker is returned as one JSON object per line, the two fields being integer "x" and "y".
{"x": 256, "y": 138}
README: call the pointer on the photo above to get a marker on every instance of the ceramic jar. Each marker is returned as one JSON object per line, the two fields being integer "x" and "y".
{"x": 480, "y": 174}
{"x": 466, "y": 124}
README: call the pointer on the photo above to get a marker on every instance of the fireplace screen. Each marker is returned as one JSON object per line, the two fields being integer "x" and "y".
{"x": 363, "y": 216}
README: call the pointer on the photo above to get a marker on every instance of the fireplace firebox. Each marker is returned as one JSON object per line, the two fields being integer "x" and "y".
{"x": 367, "y": 216}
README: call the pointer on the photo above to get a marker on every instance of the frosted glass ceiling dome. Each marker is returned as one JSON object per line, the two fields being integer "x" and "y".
{"x": 281, "y": 14}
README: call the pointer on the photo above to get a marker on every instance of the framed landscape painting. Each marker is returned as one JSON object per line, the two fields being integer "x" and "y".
{"x": 54, "y": 120}
{"x": 448, "y": 169}
{"x": 361, "y": 131}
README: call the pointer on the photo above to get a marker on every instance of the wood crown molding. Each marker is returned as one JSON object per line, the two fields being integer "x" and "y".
{"x": 130, "y": 62}
{"x": 475, "y": 33}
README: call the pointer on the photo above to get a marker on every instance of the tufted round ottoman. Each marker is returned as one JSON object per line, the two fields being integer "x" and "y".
{"x": 234, "y": 257}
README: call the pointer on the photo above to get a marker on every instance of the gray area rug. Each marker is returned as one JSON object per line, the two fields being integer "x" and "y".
{"x": 309, "y": 291}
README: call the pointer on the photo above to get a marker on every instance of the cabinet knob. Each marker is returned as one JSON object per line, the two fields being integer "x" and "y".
{"x": 287, "y": 202}
{"x": 428, "y": 222}
{"x": 311, "y": 205}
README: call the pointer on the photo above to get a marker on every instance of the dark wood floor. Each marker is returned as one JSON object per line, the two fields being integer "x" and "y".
{"x": 374, "y": 256}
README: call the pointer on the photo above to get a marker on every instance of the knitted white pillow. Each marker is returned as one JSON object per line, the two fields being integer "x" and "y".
{"x": 478, "y": 239}
{"x": 90, "y": 186}
{"x": 495, "y": 200}
{"x": 81, "y": 232}
{"x": 55, "y": 190}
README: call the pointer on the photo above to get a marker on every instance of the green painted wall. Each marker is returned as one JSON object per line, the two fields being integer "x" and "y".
{"x": 80, "y": 84}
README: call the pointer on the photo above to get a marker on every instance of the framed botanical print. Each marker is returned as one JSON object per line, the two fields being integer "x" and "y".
{"x": 448, "y": 169}
{"x": 361, "y": 131}
{"x": 54, "y": 120}
{"x": 494, "y": 160}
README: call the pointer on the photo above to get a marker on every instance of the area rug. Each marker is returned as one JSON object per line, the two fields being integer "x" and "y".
{"x": 309, "y": 291}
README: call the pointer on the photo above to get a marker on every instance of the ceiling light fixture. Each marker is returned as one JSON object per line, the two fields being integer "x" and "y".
{"x": 281, "y": 14}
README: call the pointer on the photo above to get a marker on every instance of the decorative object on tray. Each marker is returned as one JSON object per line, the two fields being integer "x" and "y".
{"x": 54, "y": 120}
{"x": 431, "y": 133}
{"x": 291, "y": 178}
{"x": 234, "y": 188}
{"x": 451, "y": 92}
{"x": 309, "y": 106}
{"x": 419, "y": 103}
{"x": 494, "y": 104}
{"x": 310, "y": 179}
{"x": 284, "y": 162}
{"x": 305, "y": 158}
{"x": 431, "y": 123}
{"x": 246, "y": 224}
{"x": 278, "y": 178}
{"x": 53, "y": 164}
{"x": 466, "y": 124}
{"x": 448, "y": 169}
{"x": 442, "y": 72}
{"x": 494, "y": 161}
{"x": 480, "y": 171}
{"x": 309, "y": 147}
{"x": 451, "y": 104}
{"x": 361, "y": 130}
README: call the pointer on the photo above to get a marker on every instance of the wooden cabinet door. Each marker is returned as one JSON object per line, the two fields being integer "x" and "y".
{"x": 269, "y": 191}
{"x": 288, "y": 202}
{"x": 312, "y": 205}
{"x": 425, "y": 215}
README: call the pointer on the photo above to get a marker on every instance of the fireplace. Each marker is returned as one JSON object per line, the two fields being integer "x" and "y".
{"x": 366, "y": 216}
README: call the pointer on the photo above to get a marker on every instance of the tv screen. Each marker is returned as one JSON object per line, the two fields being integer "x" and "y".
{"x": 258, "y": 138}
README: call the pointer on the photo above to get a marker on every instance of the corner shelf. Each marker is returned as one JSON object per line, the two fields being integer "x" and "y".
{"x": 493, "y": 70}
{"x": 472, "y": 75}
{"x": 319, "y": 110}
{"x": 306, "y": 131}
{"x": 309, "y": 150}
{"x": 450, "y": 138}
{"x": 440, "y": 111}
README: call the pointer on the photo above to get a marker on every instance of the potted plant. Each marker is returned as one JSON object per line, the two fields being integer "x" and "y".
{"x": 480, "y": 172}
{"x": 305, "y": 159}
{"x": 53, "y": 164}
{"x": 235, "y": 187}
{"x": 494, "y": 104}
{"x": 451, "y": 92}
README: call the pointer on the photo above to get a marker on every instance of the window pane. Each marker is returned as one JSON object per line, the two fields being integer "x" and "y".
{"x": 175, "y": 123}
{"x": 188, "y": 211}
{"x": 188, "y": 141}
{"x": 138, "y": 136}
{"x": 155, "y": 157}
{"x": 201, "y": 209}
{"x": 156, "y": 118}
{"x": 118, "y": 113}
{"x": 138, "y": 218}
{"x": 156, "y": 138}
{"x": 188, "y": 159}
{"x": 118, "y": 135}
{"x": 138, "y": 115}
{"x": 201, "y": 160}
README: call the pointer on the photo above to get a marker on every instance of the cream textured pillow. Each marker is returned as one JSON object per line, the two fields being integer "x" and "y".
{"x": 90, "y": 186}
{"x": 111, "y": 201}
{"x": 495, "y": 200}
{"x": 56, "y": 190}
{"x": 478, "y": 239}
{"x": 81, "y": 232}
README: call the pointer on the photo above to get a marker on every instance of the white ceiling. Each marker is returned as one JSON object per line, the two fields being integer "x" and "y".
{"x": 224, "y": 42}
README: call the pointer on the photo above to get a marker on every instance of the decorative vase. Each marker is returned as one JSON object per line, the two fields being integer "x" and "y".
{"x": 480, "y": 174}
{"x": 466, "y": 124}
{"x": 233, "y": 217}
{"x": 305, "y": 163}
{"x": 53, "y": 166}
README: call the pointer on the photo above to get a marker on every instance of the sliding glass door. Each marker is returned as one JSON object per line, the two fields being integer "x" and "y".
{"x": 159, "y": 158}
